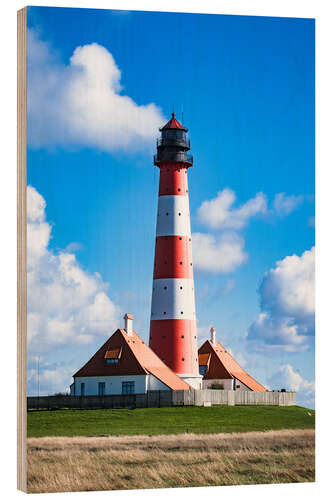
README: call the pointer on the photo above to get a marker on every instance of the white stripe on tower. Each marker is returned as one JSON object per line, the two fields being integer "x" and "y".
{"x": 173, "y": 299}
{"x": 173, "y": 216}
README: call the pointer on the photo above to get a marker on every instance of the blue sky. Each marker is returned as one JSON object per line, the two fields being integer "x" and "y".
{"x": 246, "y": 86}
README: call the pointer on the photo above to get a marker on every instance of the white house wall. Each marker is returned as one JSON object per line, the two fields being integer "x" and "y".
{"x": 154, "y": 384}
{"x": 241, "y": 387}
{"x": 228, "y": 384}
{"x": 113, "y": 384}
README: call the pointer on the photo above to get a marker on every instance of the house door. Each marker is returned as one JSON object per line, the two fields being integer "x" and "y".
{"x": 101, "y": 388}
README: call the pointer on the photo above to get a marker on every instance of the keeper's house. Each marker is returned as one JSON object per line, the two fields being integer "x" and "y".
{"x": 220, "y": 370}
{"x": 125, "y": 365}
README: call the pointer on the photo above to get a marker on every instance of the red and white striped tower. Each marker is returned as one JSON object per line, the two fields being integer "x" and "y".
{"x": 173, "y": 331}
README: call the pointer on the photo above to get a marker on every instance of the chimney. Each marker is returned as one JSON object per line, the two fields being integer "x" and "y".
{"x": 128, "y": 323}
{"x": 213, "y": 335}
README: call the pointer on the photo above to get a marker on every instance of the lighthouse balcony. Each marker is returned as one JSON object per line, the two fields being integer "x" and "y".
{"x": 173, "y": 157}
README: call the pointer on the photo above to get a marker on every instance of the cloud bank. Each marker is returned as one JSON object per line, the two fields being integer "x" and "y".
{"x": 80, "y": 104}
{"x": 287, "y": 301}
{"x": 225, "y": 252}
{"x": 287, "y": 378}
{"x": 66, "y": 304}
{"x": 220, "y": 254}
{"x": 219, "y": 213}
{"x": 283, "y": 205}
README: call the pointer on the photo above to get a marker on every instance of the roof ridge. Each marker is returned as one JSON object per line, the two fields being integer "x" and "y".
{"x": 123, "y": 332}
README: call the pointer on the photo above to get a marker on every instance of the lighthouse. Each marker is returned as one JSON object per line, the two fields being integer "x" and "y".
{"x": 173, "y": 330}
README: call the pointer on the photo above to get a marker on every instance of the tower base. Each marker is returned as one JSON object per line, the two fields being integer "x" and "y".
{"x": 195, "y": 381}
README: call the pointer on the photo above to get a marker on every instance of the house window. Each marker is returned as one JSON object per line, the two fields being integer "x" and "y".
{"x": 101, "y": 388}
{"x": 112, "y": 361}
{"x": 128, "y": 387}
{"x": 82, "y": 388}
{"x": 203, "y": 369}
{"x": 112, "y": 356}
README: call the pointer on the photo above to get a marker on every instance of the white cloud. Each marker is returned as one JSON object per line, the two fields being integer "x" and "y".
{"x": 219, "y": 213}
{"x": 220, "y": 254}
{"x": 287, "y": 296}
{"x": 66, "y": 304}
{"x": 283, "y": 205}
{"x": 52, "y": 378}
{"x": 81, "y": 104}
{"x": 287, "y": 378}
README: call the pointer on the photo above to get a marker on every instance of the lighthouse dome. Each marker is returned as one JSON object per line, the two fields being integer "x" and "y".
{"x": 173, "y": 124}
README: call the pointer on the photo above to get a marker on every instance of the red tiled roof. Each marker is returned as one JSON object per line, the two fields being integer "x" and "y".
{"x": 113, "y": 354}
{"x": 136, "y": 359}
{"x": 228, "y": 365}
{"x": 173, "y": 123}
{"x": 204, "y": 359}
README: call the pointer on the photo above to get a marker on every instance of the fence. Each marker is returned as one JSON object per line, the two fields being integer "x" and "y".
{"x": 155, "y": 399}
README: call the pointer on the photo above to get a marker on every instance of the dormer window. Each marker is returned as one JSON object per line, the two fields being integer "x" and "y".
{"x": 112, "y": 361}
{"x": 112, "y": 356}
{"x": 204, "y": 360}
{"x": 202, "y": 369}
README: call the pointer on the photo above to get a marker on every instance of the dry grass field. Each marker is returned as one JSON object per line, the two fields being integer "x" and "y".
{"x": 133, "y": 462}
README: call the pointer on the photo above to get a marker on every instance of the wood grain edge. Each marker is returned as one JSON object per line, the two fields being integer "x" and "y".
{"x": 21, "y": 249}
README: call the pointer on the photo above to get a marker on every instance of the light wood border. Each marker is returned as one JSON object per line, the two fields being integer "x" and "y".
{"x": 21, "y": 249}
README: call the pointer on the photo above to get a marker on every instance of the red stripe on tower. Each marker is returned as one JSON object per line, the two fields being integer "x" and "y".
{"x": 173, "y": 330}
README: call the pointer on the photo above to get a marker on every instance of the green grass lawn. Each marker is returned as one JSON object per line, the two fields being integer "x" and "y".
{"x": 154, "y": 421}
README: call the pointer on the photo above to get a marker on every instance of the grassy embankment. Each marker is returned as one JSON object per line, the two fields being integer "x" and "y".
{"x": 155, "y": 421}
{"x": 130, "y": 462}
